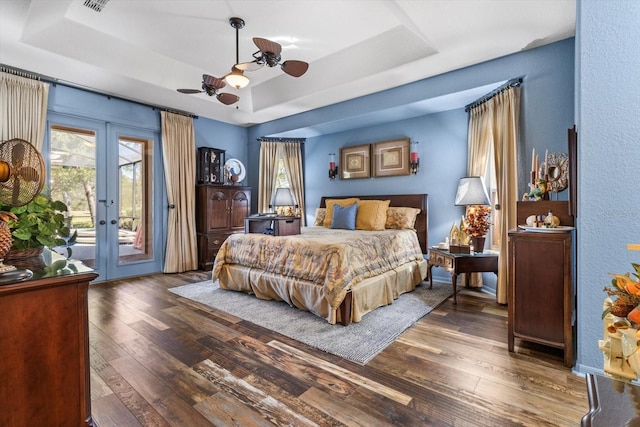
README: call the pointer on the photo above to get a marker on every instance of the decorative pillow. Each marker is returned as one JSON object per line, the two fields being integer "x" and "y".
{"x": 320, "y": 214}
{"x": 330, "y": 203}
{"x": 401, "y": 218}
{"x": 372, "y": 214}
{"x": 344, "y": 217}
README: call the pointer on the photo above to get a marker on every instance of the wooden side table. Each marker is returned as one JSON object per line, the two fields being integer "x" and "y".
{"x": 281, "y": 225}
{"x": 461, "y": 263}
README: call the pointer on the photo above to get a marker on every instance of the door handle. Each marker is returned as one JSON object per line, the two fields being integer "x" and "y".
{"x": 102, "y": 222}
{"x": 113, "y": 221}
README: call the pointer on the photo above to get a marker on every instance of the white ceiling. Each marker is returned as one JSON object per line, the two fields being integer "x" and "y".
{"x": 143, "y": 50}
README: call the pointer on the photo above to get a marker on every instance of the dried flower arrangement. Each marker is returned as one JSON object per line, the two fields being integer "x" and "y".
{"x": 476, "y": 223}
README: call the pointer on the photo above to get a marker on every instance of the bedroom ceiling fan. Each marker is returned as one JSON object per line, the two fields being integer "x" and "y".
{"x": 268, "y": 54}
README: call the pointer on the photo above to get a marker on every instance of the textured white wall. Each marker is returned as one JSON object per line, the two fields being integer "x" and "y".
{"x": 608, "y": 121}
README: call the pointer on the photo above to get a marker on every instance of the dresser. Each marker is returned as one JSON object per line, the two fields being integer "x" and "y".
{"x": 220, "y": 211}
{"x": 44, "y": 346}
{"x": 541, "y": 296}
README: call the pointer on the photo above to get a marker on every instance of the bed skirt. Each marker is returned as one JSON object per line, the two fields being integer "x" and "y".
{"x": 366, "y": 295}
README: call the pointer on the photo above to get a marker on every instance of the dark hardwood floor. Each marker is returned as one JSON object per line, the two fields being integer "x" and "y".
{"x": 160, "y": 360}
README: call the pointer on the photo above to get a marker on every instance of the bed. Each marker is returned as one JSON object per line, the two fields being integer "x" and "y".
{"x": 339, "y": 275}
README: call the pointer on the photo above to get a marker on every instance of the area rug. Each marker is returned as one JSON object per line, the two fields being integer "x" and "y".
{"x": 358, "y": 342}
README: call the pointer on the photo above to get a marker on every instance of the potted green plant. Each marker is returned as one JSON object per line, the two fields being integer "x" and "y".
{"x": 39, "y": 223}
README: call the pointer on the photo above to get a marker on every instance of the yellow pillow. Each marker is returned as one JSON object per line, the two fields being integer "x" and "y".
{"x": 401, "y": 218}
{"x": 372, "y": 214}
{"x": 320, "y": 214}
{"x": 329, "y": 203}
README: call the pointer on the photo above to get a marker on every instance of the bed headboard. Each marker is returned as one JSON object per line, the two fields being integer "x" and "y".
{"x": 402, "y": 200}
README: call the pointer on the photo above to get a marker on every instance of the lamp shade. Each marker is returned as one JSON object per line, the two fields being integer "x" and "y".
{"x": 236, "y": 78}
{"x": 282, "y": 197}
{"x": 471, "y": 191}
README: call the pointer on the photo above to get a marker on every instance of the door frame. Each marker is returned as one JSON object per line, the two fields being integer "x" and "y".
{"x": 106, "y": 134}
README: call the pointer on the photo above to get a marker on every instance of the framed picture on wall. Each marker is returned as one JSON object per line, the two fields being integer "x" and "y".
{"x": 355, "y": 162}
{"x": 391, "y": 158}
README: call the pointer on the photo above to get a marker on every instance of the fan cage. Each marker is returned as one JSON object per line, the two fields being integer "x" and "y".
{"x": 26, "y": 177}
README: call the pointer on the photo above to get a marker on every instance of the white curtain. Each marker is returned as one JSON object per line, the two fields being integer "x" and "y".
{"x": 496, "y": 122}
{"x": 179, "y": 152}
{"x": 23, "y": 109}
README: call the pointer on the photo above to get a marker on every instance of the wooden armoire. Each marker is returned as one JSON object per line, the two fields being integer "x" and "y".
{"x": 220, "y": 212}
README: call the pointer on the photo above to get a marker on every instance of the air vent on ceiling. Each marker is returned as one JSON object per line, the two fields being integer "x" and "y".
{"x": 96, "y": 5}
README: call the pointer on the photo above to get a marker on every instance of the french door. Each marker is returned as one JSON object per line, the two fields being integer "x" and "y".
{"x": 110, "y": 178}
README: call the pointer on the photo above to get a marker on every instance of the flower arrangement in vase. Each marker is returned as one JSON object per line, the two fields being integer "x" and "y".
{"x": 621, "y": 320}
{"x": 476, "y": 225}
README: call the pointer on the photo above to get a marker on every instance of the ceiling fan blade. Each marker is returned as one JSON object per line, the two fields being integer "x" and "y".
{"x": 189, "y": 90}
{"x": 249, "y": 66}
{"x": 267, "y": 46}
{"x": 295, "y": 68}
{"x": 227, "y": 98}
{"x": 213, "y": 82}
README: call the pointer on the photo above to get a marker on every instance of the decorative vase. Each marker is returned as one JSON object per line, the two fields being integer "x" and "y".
{"x": 478, "y": 244}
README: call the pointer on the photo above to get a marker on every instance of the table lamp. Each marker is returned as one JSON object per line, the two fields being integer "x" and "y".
{"x": 472, "y": 192}
{"x": 283, "y": 198}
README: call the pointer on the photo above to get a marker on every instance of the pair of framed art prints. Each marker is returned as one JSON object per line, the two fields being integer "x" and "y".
{"x": 380, "y": 159}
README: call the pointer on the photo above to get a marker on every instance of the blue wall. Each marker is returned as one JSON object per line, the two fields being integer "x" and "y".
{"x": 231, "y": 138}
{"x": 608, "y": 111}
{"x": 443, "y": 153}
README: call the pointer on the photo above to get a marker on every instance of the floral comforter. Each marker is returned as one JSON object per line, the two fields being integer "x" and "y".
{"x": 333, "y": 259}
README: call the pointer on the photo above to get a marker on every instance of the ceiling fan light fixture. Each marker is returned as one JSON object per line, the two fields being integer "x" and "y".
{"x": 236, "y": 78}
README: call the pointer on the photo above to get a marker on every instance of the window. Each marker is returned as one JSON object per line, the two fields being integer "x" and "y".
{"x": 282, "y": 180}
{"x": 496, "y": 215}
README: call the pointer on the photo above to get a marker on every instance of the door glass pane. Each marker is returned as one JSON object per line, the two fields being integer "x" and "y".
{"x": 135, "y": 221}
{"x": 73, "y": 180}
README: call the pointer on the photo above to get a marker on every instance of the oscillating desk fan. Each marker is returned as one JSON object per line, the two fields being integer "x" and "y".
{"x": 21, "y": 180}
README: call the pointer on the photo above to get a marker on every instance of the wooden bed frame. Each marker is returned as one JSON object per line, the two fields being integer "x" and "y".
{"x": 396, "y": 200}
{"x": 401, "y": 200}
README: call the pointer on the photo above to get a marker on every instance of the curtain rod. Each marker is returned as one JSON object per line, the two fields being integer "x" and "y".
{"x": 511, "y": 83}
{"x": 270, "y": 139}
{"x": 34, "y": 76}
{"x": 26, "y": 74}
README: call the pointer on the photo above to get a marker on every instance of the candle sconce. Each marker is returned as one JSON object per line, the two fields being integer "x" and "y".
{"x": 333, "y": 168}
{"x": 414, "y": 160}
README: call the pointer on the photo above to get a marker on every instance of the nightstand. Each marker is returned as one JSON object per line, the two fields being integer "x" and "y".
{"x": 461, "y": 263}
{"x": 281, "y": 225}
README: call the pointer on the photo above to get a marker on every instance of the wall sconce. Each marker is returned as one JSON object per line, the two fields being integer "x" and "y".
{"x": 414, "y": 160}
{"x": 333, "y": 168}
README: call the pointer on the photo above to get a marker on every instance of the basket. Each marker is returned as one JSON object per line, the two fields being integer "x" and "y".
{"x": 15, "y": 254}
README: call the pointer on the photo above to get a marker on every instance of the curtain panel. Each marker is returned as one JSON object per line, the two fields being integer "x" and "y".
{"x": 268, "y": 173}
{"x": 178, "y": 152}
{"x": 290, "y": 151}
{"x": 495, "y": 122}
{"x": 291, "y": 154}
{"x": 23, "y": 109}
{"x": 506, "y": 129}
